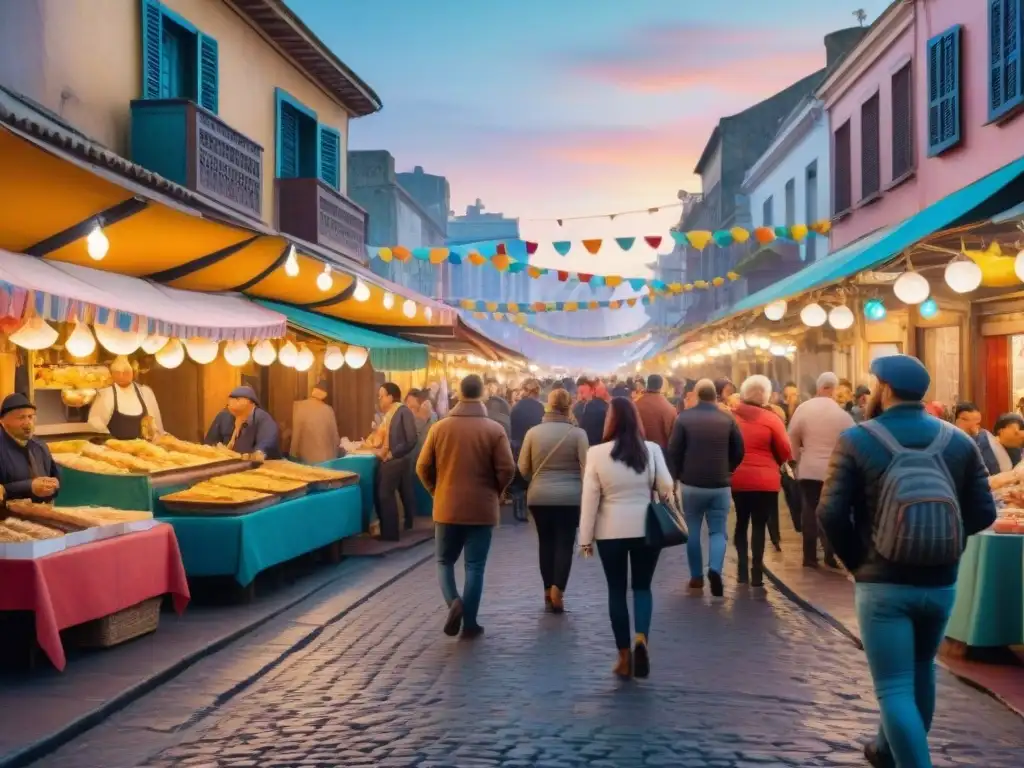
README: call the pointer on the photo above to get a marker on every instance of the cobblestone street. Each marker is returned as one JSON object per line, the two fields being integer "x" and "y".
{"x": 737, "y": 682}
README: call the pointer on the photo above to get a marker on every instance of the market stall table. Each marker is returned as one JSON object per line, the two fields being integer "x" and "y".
{"x": 93, "y": 581}
{"x": 989, "y": 607}
{"x": 365, "y": 465}
{"x": 245, "y": 545}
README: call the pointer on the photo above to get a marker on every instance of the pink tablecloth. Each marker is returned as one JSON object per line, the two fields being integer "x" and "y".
{"x": 93, "y": 581}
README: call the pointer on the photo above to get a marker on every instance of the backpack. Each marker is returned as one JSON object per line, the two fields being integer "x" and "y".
{"x": 918, "y": 520}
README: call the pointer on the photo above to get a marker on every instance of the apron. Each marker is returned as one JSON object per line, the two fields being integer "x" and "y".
{"x": 122, "y": 426}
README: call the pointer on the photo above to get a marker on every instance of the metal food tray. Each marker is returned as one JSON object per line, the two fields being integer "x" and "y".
{"x": 330, "y": 485}
{"x": 192, "y": 474}
{"x": 213, "y": 509}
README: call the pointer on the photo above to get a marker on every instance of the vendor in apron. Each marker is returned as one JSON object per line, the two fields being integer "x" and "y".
{"x": 126, "y": 409}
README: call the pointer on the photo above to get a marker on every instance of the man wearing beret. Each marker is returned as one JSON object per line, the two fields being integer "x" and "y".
{"x": 892, "y": 485}
{"x": 27, "y": 470}
{"x": 245, "y": 427}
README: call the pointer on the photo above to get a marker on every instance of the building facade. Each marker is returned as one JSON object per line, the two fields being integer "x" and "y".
{"x": 207, "y": 93}
{"x": 484, "y": 282}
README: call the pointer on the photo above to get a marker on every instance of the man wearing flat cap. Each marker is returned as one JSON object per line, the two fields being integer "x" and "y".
{"x": 879, "y": 497}
{"x": 245, "y": 427}
{"x": 315, "y": 437}
{"x": 27, "y": 470}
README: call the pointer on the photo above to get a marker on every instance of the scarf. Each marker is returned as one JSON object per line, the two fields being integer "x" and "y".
{"x": 386, "y": 429}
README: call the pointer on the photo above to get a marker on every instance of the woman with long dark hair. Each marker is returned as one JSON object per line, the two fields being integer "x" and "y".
{"x": 622, "y": 474}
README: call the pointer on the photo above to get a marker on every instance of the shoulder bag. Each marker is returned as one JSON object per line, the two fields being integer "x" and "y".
{"x": 665, "y": 526}
{"x": 536, "y": 472}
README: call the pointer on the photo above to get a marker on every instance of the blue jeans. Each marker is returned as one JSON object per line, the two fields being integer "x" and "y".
{"x": 713, "y": 504}
{"x": 902, "y": 627}
{"x": 450, "y": 541}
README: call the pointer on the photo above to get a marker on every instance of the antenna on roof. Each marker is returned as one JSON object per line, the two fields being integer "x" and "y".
{"x": 860, "y": 16}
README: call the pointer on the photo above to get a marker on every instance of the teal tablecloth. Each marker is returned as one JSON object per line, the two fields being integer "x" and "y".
{"x": 365, "y": 466}
{"x": 246, "y": 545}
{"x": 989, "y": 607}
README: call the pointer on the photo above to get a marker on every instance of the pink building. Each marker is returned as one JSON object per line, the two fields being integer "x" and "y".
{"x": 927, "y": 103}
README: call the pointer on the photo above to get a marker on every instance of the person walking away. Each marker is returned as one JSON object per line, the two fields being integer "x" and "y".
{"x": 621, "y": 477}
{"x": 903, "y": 492}
{"x": 394, "y": 475}
{"x": 757, "y": 480}
{"x": 705, "y": 448}
{"x": 590, "y": 412}
{"x": 315, "y": 437}
{"x": 551, "y": 461}
{"x": 526, "y": 414}
{"x": 498, "y": 408}
{"x": 466, "y": 464}
{"x": 657, "y": 415}
{"x": 860, "y": 401}
{"x": 814, "y": 430}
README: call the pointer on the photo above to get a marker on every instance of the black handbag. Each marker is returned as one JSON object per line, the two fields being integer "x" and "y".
{"x": 665, "y": 526}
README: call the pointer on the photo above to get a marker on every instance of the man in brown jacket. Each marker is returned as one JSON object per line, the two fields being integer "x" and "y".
{"x": 315, "y": 436}
{"x": 465, "y": 464}
{"x": 656, "y": 412}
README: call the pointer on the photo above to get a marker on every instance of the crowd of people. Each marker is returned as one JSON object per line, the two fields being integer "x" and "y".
{"x": 877, "y": 481}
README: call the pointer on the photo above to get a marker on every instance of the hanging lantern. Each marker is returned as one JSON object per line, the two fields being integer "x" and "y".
{"x": 777, "y": 349}
{"x": 389, "y": 300}
{"x": 361, "y": 292}
{"x": 964, "y": 276}
{"x": 356, "y": 357}
{"x": 97, "y": 244}
{"x": 305, "y": 359}
{"x": 171, "y": 355}
{"x": 813, "y": 315}
{"x": 237, "y": 353}
{"x": 928, "y": 308}
{"x": 116, "y": 341}
{"x": 409, "y": 308}
{"x": 35, "y": 334}
{"x": 911, "y": 287}
{"x": 841, "y": 317}
{"x": 153, "y": 343}
{"x": 776, "y": 310}
{"x": 264, "y": 353}
{"x": 202, "y": 351}
{"x": 80, "y": 342}
{"x": 874, "y": 309}
{"x": 291, "y": 263}
{"x": 334, "y": 358}
{"x": 288, "y": 354}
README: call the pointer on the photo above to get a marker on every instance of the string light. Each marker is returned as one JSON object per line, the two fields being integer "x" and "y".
{"x": 171, "y": 355}
{"x": 389, "y": 300}
{"x": 96, "y": 243}
{"x": 409, "y": 308}
{"x": 324, "y": 281}
{"x": 264, "y": 353}
{"x": 80, "y": 342}
{"x": 291, "y": 263}
{"x": 361, "y": 292}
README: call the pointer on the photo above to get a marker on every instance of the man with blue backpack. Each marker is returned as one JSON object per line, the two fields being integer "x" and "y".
{"x": 903, "y": 492}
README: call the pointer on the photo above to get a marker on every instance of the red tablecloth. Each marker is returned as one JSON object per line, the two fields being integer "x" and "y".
{"x": 93, "y": 581}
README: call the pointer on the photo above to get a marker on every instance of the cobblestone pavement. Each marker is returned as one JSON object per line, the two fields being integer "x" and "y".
{"x": 736, "y": 682}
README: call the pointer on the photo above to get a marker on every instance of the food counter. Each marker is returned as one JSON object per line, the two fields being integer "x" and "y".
{"x": 989, "y": 607}
{"x": 364, "y": 465}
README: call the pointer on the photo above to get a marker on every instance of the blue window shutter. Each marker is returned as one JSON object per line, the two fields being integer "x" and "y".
{"x": 1004, "y": 77}
{"x": 207, "y": 88}
{"x": 288, "y": 144}
{"x": 330, "y": 157}
{"x": 944, "y": 91}
{"x": 152, "y": 44}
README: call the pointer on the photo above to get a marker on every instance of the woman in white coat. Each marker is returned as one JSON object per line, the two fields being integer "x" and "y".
{"x": 621, "y": 475}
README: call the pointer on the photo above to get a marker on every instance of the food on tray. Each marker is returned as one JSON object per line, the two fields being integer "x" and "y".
{"x": 179, "y": 459}
{"x": 85, "y": 464}
{"x": 109, "y": 515}
{"x": 11, "y": 536}
{"x": 197, "y": 449}
{"x": 67, "y": 446}
{"x": 123, "y": 460}
{"x": 47, "y": 514}
{"x": 208, "y": 493}
{"x": 141, "y": 448}
{"x": 73, "y": 377}
{"x": 255, "y": 482}
{"x": 34, "y": 531}
{"x": 291, "y": 470}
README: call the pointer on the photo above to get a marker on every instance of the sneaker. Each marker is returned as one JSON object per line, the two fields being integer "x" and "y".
{"x": 454, "y": 622}
{"x": 697, "y": 584}
{"x": 641, "y": 661}
{"x": 877, "y": 757}
{"x": 715, "y": 580}
{"x": 469, "y": 633}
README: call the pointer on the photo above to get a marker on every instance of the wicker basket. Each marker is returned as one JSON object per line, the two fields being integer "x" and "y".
{"x": 120, "y": 627}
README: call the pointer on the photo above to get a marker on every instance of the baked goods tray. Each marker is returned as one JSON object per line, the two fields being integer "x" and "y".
{"x": 182, "y": 475}
{"x": 212, "y": 509}
{"x": 330, "y": 485}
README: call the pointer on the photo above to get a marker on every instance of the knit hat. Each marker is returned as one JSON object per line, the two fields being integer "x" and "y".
{"x": 247, "y": 392}
{"x": 15, "y": 402}
{"x": 906, "y": 375}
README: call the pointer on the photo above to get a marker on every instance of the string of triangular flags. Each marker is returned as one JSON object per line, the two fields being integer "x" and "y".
{"x": 621, "y": 339}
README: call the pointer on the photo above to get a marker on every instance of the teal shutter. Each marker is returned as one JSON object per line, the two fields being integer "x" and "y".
{"x": 330, "y": 157}
{"x": 1004, "y": 82}
{"x": 207, "y": 88}
{"x": 288, "y": 143}
{"x": 944, "y": 91}
{"x": 152, "y": 53}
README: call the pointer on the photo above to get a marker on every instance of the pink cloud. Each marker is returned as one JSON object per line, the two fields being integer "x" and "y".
{"x": 683, "y": 57}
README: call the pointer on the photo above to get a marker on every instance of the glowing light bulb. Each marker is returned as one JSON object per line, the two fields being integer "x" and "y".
{"x": 202, "y": 351}
{"x": 171, "y": 355}
{"x": 237, "y": 353}
{"x": 409, "y": 308}
{"x": 80, "y": 342}
{"x": 153, "y": 343}
{"x": 813, "y": 315}
{"x": 389, "y": 300}
{"x": 264, "y": 353}
{"x": 324, "y": 281}
{"x": 964, "y": 276}
{"x": 291, "y": 264}
{"x": 116, "y": 341}
{"x": 841, "y": 317}
{"x": 361, "y": 292}
{"x": 288, "y": 354}
{"x": 356, "y": 357}
{"x": 911, "y": 288}
{"x": 776, "y": 310}
{"x": 334, "y": 358}
{"x": 97, "y": 244}
{"x": 304, "y": 361}
{"x": 428, "y": 313}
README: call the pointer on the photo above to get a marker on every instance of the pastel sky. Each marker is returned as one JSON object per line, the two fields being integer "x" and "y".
{"x": 546, "y": 108}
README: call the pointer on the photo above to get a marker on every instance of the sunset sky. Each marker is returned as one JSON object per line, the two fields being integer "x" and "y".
{"x": 548, "y": 109}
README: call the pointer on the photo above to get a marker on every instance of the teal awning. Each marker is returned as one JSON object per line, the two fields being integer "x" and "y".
{"x": 878, "y": 247}
{"x": 387, "y": 353}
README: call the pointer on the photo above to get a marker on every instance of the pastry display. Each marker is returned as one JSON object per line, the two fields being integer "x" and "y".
{"x": 255, "y": 482}
{"x": 47, "y": 514}
{"x": 118, "y": 459}
{"x": 11, "y": 536}
{"x": 209, "y": 493}
{"x": 85, "y": 464}
{"x": 293, "y": 471}
{"x": 34, "y": 531}
{"x": 77, "y": 377}
{"x": 67, "y": 446}
{"x": 215, "y": 452}
{"x": 141, "y": 448}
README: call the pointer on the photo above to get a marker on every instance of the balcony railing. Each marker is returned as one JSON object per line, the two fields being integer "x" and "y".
{"x": 318, "y": 213}
{"x": 190, "y": 146}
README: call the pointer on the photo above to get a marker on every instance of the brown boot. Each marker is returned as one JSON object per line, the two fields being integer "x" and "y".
{"x": 624, "y": 667}
{"x": 547, "y": 599}
{"x": 557, "y": 606}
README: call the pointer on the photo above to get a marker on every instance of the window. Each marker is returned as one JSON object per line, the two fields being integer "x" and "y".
{"x": 870, "y": 149}
{"x": 791, "y": 202}
{"x": 902, "y": 123}
{"x": 305, "y": 148}
{"x": 944, "y": 91}
{"x": 1004, "y": 36}
{"x": 766, "y": 213}
{"x": 811, "y": 210}
{"x": 842, "y": 193}
{"x": 178, "y": 61}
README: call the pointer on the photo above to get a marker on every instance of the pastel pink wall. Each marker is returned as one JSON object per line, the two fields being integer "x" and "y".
{"x": 983, "y": 148}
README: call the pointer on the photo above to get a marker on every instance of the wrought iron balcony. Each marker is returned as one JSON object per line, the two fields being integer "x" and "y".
{"x": 316, "y": 212}
{"x": 193, "y": 147}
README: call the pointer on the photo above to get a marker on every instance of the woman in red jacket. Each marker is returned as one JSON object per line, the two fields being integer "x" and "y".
{"x": 757, "y": 480}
